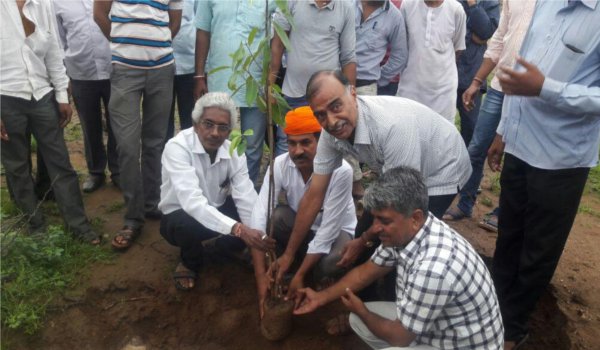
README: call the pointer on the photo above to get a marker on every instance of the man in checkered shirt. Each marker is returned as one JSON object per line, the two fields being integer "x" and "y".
{"x": 445, "y": 298}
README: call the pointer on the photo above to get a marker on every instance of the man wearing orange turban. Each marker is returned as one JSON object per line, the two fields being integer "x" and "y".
{"x": 333, "y": 227}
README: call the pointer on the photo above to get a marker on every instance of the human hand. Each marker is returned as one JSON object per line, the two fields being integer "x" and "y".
{"x": 296, "y": 284}
{"x": 263, "y": 285}
{"x": 256, "y": 239}
{"x": 200, "y": 88}
{"x": 471, "y": 3}
{"x": 64, "y": 114}
{"x": 528, "y": 83}
{"x": 283, "y": 264}
{"x": 3, "y": 133}
{"x": 351, "y": 252}
{"x": 468, "y": 97}
{"x": 353, "y": 303}
{"x": 307, "y": 300}
{"x": 495, "y": 153}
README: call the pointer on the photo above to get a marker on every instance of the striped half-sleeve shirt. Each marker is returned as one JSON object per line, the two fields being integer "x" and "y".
{"x": 395, "y": 131}
{"x": 140, "y": 34}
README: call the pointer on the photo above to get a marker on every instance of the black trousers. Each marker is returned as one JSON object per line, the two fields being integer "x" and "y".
{"x": 183, "y": 231}
{"x": 89, "y": 96}
{"x": 183, "y": 94}
{"x": 538, "y": 210}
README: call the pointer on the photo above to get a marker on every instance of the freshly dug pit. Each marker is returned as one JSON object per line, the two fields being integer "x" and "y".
{"x": 277, "y": 321}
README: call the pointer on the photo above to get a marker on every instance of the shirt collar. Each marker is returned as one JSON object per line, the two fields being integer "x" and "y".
{"x": 592, "y": 4}
{"x": 410, "y": 251}
{"x": 385, "y": 7}
{"x": 222, "y": 152}
{"x": 361, "y": 131}
{"x": 330, "y": 6}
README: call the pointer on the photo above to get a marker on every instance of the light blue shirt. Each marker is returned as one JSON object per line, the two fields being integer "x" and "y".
{"x": 184, "y": 44}
{"x": 230, "y": 23}
{"x": 560, "y": 129}
{"x": 384, "y": 27}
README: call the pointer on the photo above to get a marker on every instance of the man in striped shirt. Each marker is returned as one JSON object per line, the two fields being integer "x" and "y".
{"x": 140, "y": 34}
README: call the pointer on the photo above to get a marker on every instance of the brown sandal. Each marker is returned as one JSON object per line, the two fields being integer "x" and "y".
{"x": 124, "y": 238}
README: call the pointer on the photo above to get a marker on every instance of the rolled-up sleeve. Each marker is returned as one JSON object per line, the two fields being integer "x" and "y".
{"x": 328, "y": 158}
{"x": 184, "y": 181}
{"x": 334, "y": 205}
{"x": 176, "y": 5}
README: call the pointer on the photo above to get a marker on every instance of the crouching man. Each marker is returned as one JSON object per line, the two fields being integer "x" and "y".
{"x": 205, "y": 191}
{"x": 444, "y": 293}
{"x": 333, "y": 227}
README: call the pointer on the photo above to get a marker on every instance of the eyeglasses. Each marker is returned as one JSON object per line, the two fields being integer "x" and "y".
{"x": 208, "y": 125}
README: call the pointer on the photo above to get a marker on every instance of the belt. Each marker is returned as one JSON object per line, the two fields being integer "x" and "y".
{"x": 362, "y": 82}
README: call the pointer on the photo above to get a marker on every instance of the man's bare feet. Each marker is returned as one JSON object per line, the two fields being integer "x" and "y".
{"x": 185, "y": 279}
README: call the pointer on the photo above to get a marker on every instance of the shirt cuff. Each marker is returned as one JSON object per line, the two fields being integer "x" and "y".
{"x": 551, "y": 89}
{"x": 227, "y": 225}
{"x": 61, "y": 96}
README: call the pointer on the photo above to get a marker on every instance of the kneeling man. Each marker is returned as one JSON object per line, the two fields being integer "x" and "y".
{"x": 445, "y": 298}
{"x": 333, "y": 227}
{"x": 205, "y": 191}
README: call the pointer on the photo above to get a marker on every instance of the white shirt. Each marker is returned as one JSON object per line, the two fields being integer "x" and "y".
{"x": 87, "y": 52}
{"x": 190, "y": 182}
{"x": 393, "y": 131}
{"x": 338, "y": 213}
{"x": 31, "y": 66}
{"x": 434, "y": 35}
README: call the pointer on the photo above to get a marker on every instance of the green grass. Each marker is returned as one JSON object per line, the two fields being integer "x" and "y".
{"x": 36, "y": 270}
{"x": 486, "y": 201}
{"x": 585, "y": 209}
{"x": 593, "y": 183}
{"x": 115, "y": 207}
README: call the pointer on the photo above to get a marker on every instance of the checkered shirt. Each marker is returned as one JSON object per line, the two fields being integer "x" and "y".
{"x": 444, "y": 292}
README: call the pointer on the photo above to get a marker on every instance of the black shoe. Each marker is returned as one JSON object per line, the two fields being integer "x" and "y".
{"x": 153, "y": 214}
{"x": 92, "y": 183}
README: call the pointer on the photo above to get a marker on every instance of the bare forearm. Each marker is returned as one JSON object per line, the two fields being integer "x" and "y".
{"x": 258, "y": 261}
{"x": 357, "y": 279}
{"x": 307, "y": 212}
{"x": 309, "y": 261}
{"x": 487, "y": 66}
{"x": 101, "y": 16}
{"x": 202, "y": 46}
{"x": 174, "y": 22}
{"x": 349, "y": 71}
{"x": 276, "y": 54}
{"x": 391, "y": 331}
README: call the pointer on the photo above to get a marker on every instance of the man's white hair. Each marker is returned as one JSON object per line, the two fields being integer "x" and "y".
{"x": 219, "y": 100}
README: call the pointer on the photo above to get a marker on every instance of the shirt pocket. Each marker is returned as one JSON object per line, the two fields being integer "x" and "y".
{"x": 376, "y": 40}
{"x": 573, "y": 49}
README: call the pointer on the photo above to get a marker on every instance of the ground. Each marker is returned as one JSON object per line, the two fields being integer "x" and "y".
{"x": 132, "y": 303}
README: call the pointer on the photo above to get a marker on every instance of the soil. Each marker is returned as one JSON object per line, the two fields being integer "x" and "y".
{"x": 132, "y": 303}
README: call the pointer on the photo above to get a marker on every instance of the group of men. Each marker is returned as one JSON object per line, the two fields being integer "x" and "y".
{"x": 542, "y": 112}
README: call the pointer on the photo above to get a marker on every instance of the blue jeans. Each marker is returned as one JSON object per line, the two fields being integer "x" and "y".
{"x": 483, "y": 135}
{"x": 468, "y": 119}
{"x": 253, "y": 118}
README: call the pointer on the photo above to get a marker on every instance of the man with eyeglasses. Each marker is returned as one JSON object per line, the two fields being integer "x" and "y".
{"x": 206, "y": 191}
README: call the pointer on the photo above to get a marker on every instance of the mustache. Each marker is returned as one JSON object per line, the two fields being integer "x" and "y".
{"x": 338, "y": 125}
{"x": 300, "y": 157}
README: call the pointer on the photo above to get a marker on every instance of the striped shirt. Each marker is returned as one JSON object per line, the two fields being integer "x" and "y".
{"x": 394, "y": 131}
{"x": 444, "y": 292}
{"x": 140, "y": 34}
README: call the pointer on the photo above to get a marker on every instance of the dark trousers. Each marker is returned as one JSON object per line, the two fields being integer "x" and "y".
{"x": 183, "y": 94}
{"x": 468, "y": 119}
{"x": 41, "y": 118}
{"x": 388, "y": 90}
{"x": 538, "y": 210}
{"x": 183, "y": 231}
{"x": 89, "y": 96}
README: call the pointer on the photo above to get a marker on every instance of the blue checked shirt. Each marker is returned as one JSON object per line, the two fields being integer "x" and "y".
{"x": 444, "y": 292}
{"x": 561, "y": 128}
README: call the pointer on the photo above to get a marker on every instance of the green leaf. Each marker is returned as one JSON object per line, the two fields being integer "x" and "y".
{"x": 249, "y": 132}
{"x": 252, "y": 35}
{"x": 261, "y": 103}
{"x": 213, "y": 71}
{"x": 251, "y": 91}
{"x": 283, "y": 36}
{"x": 242, "y": 147}
{"x": 235, "y": 142}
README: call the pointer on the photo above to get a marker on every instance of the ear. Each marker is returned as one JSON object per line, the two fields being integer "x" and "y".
{"x": 417, "y": 219}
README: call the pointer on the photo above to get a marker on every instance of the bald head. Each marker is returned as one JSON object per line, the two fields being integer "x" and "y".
{"x": 316, "y": 81}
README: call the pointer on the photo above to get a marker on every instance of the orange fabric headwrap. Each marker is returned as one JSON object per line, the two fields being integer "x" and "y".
{"x": 301, "y": 121}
